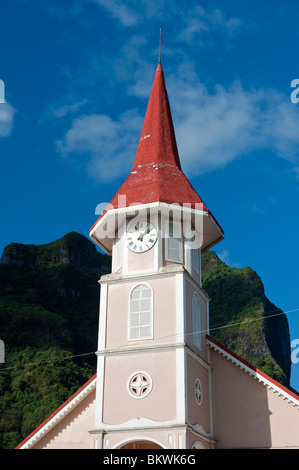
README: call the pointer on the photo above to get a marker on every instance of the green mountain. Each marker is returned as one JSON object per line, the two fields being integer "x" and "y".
{"x": 49, "y": 304}
{"x": 49, "y": 307}
{"x": 243, "y": 319}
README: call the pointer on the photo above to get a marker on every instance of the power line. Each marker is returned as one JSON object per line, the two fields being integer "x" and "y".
{"x": 264, "y": 317}
{"x": 225, "y": 325}
{"x": 228, "y": 325}
{"x": 55, "y": 359}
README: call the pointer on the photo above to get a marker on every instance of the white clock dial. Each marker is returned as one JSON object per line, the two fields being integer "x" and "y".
{"x": 141, "y": 236}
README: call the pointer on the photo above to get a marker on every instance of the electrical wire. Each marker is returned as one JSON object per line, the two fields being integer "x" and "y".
{"x": 225, "y": 325}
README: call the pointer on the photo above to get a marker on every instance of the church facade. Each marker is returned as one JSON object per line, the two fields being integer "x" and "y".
{"x": 162, "y": 381}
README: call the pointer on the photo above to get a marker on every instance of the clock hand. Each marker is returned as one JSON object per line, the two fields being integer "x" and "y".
{"x": 141, "y": 235}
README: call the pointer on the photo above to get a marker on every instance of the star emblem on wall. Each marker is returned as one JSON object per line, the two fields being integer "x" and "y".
{"x": 197, "y": 391}
{"x": 140, "y": 385}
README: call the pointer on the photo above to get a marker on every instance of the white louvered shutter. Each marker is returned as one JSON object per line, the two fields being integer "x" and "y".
{"x": 196, "y": 321}
{"x": 141, "y": 313}
{"x": 174, "y": 243}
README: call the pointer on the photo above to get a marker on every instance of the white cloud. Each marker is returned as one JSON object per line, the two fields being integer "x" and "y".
{"x": 257, "y": 209}
{"x": 225, "y": 256}
{"x": 296, "y": 171}
{"x": 6, "y": 119}
{"x": 117, "y": 8}
{"x": 109, "y": 146}
{"x": 65, "y": 109}
{"x": 212, "y": 129}
{"x": 199, "y": 20}
{"x": 191, "y": 19}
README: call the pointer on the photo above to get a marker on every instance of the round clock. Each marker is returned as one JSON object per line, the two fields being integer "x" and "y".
{"x": 141, "y": 236}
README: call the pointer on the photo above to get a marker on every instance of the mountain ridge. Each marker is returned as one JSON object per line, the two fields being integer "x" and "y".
{"x": 49, "y": 307}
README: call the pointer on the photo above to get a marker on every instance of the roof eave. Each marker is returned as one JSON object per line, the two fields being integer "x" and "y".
{"x": 110, "y": 221}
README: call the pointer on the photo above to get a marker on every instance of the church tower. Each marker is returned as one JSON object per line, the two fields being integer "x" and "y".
{"x": 153, "y": 373}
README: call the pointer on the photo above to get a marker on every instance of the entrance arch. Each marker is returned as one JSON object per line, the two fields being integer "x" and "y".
{"x": 140, "y": 443}
{"x": 198, "y": 445}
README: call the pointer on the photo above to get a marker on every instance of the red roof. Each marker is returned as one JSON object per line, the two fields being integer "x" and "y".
{"x": 89, "y": 381}
{"x": 156, "y": 175}
{"x": 253, "y": 368}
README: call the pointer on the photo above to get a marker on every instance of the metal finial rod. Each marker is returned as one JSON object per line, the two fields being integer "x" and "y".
{"x": 160, "y": 47}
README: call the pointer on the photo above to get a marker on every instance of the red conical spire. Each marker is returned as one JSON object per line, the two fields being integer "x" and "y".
{"x": 156, "y": 175}
{"x": 157, "y": 144}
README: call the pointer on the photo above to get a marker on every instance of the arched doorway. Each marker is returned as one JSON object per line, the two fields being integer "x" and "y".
{"x": 198, "y": 445}
{"x": 140, "y": 444}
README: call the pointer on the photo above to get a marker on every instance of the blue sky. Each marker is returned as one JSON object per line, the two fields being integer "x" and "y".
{"x": 77, "y": 76}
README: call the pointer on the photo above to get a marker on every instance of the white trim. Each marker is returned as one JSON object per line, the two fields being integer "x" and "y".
{"x": 138, "y": 348}
{"x": 125, "y": 268}
{"x": 135, "y": 424}
{"x": 254, "y": 374}
{"x": 196, "y": 335}
{"x": 101, "y": 360}
{"x": 103, "y": 316}
{"x": 138, "y": 438}
{"x": 210, "y": 393}
{"x": 165, "y": 208}
{"x": 180, "y": 385}
{"x": 188, "y": 258}
{"x": 60, "y": 415}
{"x": 98, "y": 417}
{"x": 197, "y": 445}
{"x": 180, "y": 352}
{"x": 180, "y": 308}
{"x": 159, "y": 347}
{"x": 141, "y": 207}
{"x": 151, "y": 274}
{"x": 158, "y": 245}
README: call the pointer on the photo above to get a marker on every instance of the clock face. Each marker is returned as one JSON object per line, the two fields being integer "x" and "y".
{"x": 141, "y": 236}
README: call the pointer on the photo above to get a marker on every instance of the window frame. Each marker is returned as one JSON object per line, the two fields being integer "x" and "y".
{"x": 196, "y": 336}
{"x": 151, "y": 323}
{"x": 180, "y": 258}
{"x": 195, "y": 260}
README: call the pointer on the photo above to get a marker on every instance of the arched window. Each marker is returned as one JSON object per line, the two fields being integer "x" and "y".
{"x": 141, "y": 313}
{"x": 196, "y": 320}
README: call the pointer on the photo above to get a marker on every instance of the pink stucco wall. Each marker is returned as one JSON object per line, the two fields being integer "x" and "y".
{"x": 246, "y": 413}
{"x": 198, "y": 414}
{"x": 159, "y": 405}
{"x": 72, "y": 432}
